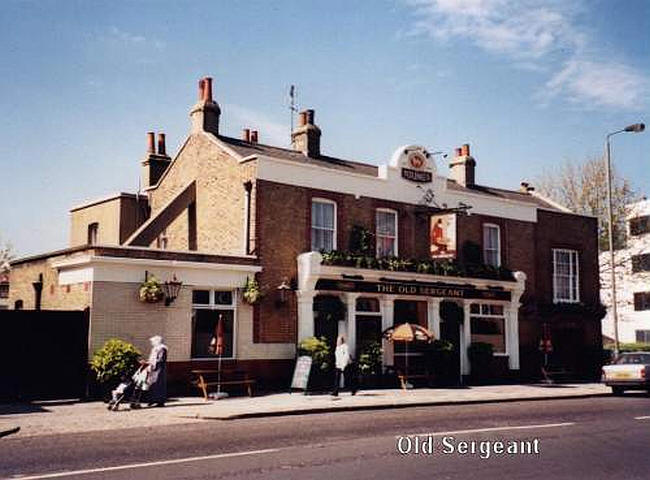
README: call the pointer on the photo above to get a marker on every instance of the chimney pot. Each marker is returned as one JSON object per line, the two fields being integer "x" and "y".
{"x": 151, "y": 148}
{"x": 457, "y": 152}
{"x": 302, "y": 119}
{"x": 246, "y": 135}
{"x": 162, "y": 150}
{"x": 201, "y": 89}
{"x": 254, "y": 136}
{"x": 309, "y": 117}
{"x": 207, "y": 89}
{"x": 464, "y": 150}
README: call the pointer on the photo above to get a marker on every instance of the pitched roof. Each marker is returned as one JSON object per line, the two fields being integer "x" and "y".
{"x": 246, "y": 149}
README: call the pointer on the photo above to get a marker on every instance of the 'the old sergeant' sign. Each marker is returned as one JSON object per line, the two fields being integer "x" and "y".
{"x": 421, "y": 289}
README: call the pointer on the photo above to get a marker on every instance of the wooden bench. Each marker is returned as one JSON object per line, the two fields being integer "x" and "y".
{"x": 204, "y": 379}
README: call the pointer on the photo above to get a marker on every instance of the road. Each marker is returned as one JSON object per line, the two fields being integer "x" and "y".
{"x": 595, "y": 438}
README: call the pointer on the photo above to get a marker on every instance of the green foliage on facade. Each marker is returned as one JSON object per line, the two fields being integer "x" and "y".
{"x": 318, "y": 349}
{"x": 114, "y": 359}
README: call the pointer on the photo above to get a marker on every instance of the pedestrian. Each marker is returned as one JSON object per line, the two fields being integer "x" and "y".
{"x": 341, "y": 362}
{"x": 157, "y": 372}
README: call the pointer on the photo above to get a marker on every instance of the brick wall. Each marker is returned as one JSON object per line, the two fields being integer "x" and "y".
{"x": 107, "y": 214}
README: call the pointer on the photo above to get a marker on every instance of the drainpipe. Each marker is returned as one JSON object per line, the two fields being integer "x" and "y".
{"x": 248, "y": 187}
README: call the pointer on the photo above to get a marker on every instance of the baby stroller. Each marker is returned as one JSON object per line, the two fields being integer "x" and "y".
{"x": 130, "y": 388}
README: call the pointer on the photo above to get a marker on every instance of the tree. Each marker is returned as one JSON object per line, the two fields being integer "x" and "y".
{"x": 582, "y": 188}
{"x": 6, "y": 255}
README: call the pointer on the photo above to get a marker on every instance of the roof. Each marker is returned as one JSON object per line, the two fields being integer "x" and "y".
{"x": 246, "y": 149}
{"x": 108, "y": 198}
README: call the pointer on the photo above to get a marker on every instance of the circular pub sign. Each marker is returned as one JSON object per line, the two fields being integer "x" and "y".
{"x": 414, "y": 163}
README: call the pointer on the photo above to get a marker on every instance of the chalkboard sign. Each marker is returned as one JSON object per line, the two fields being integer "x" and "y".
{"x": 301, "y": 373}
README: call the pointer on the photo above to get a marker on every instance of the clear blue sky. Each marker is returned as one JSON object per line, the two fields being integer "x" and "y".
{"x": 528, "y": 84}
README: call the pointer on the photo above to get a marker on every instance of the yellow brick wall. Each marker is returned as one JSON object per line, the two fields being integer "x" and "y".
{"x": 54, "y": 296}
{"x": 107, "y": 214}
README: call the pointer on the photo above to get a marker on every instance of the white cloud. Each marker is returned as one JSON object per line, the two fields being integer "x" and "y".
{"x": 133, "y": 39}
{"x": 271, "y": 132}
{"x": 538, "y": 36}
{"x": 604, "y": 84}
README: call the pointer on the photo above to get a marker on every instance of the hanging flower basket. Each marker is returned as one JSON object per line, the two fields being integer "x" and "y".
{"x": 252, "y": 292}
{"x": 151, "y": 291}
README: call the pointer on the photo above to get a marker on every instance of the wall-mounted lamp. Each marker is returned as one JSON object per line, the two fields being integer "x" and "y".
{"x": 283, "y": 291}
{"x": 171, "y": 289}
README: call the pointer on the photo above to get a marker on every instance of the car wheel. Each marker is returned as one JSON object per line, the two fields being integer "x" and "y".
{"x": 617, "y": 391}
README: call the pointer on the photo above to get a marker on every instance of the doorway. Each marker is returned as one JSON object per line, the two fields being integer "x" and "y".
{"x": 451, "y": 317}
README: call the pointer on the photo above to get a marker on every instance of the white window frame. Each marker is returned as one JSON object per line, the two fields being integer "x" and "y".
{"x": 311, "y": 227}
{"x": 504, "y": 317}
{"x": 487, "y": 226}
{"x": 576, "y": 273}
{"x": 211, "y": 305}
{"x": 394, "y": 212}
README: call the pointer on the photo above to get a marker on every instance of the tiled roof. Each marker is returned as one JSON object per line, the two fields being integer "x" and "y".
{"x": 246, "y": 149}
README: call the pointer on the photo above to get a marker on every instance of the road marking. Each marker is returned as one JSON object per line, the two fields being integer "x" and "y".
{"x": 71, "y": 473}
{"x": 493, "y": 429}
{"x": 642, "y": 418}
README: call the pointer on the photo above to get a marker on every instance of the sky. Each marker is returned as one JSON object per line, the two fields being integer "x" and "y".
{"x": 529, "y": 84}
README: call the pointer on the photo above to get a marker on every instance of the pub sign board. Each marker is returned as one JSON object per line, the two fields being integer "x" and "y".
{"x": 410, "y": 288}
{"x": 442, "y": 236}
{"x": 414, "y": 163}
{"x": 300, "y": 379}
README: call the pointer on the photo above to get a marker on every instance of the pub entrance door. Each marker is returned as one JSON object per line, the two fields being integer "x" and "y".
{"x": 451, "y": 317}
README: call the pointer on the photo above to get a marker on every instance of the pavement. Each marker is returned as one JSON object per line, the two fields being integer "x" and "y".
{"x": 599, "y": 438}
{"x": 52, "y": 418}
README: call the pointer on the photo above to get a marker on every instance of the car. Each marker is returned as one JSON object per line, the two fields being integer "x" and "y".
{"x": 630, "y": 371}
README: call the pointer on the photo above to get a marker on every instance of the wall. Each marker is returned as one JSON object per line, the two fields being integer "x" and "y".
{"x": 54, "y": 296}
{"x": 107, "y": 214}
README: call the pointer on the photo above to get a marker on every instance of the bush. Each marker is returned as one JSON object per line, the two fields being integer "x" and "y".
{"x": 370, "y": 358}
{"x": 114, "y": 359}
{"x": 318, "y": 350}
{"x": 634, "y": 347}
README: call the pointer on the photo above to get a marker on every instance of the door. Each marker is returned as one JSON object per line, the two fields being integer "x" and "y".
{"x": 451, "y": 317}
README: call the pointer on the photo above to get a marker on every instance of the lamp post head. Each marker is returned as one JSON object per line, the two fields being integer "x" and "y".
{"x": 636, "y": 128}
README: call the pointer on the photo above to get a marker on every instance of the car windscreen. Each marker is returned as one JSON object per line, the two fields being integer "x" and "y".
{"x": 633, "y": 358}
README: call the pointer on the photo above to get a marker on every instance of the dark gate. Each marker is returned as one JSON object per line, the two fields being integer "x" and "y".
{"x": 43, "y": 354}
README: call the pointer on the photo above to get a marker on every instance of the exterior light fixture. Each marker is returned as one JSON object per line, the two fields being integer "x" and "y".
{"x": 634, "y": 128}
{"x": 283, "y": 291}
{"x": 171, "y": 289}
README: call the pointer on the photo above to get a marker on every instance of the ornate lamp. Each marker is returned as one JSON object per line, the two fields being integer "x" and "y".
{"x": 171, "y": 289}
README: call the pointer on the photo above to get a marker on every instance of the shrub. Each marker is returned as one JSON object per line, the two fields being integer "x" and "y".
{"x": 370, "y": 358}
{"x": 318, "y": 350}
{"x": 114, "y": 359}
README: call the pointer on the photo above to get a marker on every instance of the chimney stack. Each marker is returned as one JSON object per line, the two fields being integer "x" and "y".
{"x": 306, "y": 137}
{"x": 205, "y": 114}
{"x": 462, "y": 167}
{"x": 254, "y": 136}
{"x": 246, "y": 135}
{"x": 154, "y": 163}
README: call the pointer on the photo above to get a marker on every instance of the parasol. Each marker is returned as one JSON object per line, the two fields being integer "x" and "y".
{"x": 407, "y": 333}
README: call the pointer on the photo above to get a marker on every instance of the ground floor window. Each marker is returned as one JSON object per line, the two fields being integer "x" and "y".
{"x": 643, "y": 336}
{"x": 488, "y": 325}
{"x": 207, "y": 307}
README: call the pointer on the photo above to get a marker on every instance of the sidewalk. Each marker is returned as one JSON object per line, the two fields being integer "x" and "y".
{"x": 50, "y": 418}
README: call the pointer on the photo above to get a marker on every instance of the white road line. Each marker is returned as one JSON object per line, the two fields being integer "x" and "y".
{"x": 72, "y": 473}
{"x": 642, "y": 418}
{"x": 491, "y": 429}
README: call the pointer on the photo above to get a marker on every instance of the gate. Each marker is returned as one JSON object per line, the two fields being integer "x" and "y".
{"x": 43, "y": 354}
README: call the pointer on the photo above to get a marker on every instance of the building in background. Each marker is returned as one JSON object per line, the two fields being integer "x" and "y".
{"x": 332, "y": 246}
{"x": 632, "y": 279}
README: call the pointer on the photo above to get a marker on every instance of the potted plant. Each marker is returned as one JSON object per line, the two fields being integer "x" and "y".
{"x": 114, "y": 359}
{"x": 151, "y": 290}
{"x": 369, "y": 363}
{"x": 252, "y": 292}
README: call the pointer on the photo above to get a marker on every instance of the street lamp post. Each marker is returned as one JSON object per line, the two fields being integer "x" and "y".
{"x": 635, "y": 128}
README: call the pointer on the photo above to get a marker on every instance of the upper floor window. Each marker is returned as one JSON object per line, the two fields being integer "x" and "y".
{"x": 641, "y": 263}
{"x": 565, "y": 276}
{"x": 323, "y": 225}
{"x": 643, "y": 336}
{"x": 491, "y": 244}
{"x": 386, "y": 232}
{"x": 93, "y": 233}
{"x": 642, "y": 301}
{"x": 640, "y": 225}
{"x": 162, "y": 240}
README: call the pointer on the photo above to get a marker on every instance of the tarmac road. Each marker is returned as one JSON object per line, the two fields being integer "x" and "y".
{"x": 595, "y": 438}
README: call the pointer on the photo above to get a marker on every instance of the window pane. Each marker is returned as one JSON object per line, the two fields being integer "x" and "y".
{"x": 204, "y": 329}
{"x": 489, "y": 330}
{"x": 386, "y": 223}
{"x": 201, "y": 297}
{"x": 365, "y": 304}
{"x": 223, "y": 298}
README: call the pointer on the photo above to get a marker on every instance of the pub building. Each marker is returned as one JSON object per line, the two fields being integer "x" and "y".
{"x": 386, "y": 244}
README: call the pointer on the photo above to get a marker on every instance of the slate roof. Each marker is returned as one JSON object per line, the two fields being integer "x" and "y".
{"x": 246, "y": 149}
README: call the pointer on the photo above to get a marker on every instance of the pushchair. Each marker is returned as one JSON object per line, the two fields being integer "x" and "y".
{"x": 130, "y": 388}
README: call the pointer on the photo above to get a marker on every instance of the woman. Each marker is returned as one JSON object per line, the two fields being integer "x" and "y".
{"x": 341, "y": 362}
{"x": 157, "y": 368}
